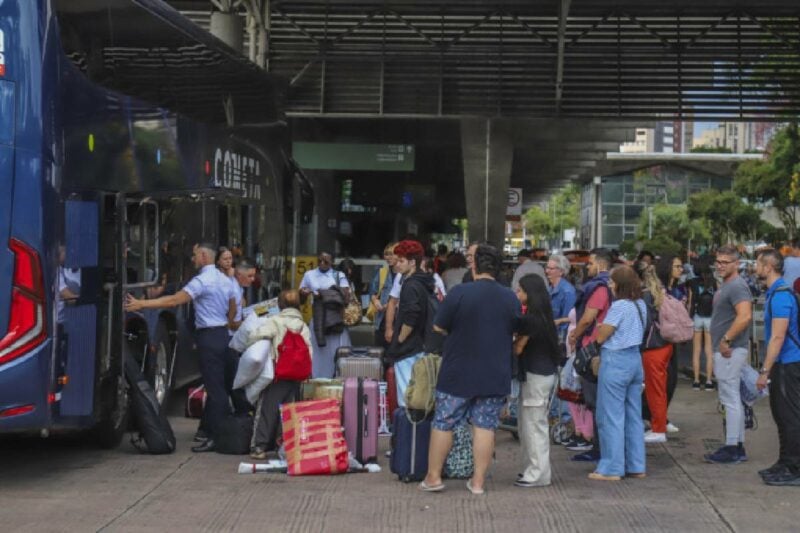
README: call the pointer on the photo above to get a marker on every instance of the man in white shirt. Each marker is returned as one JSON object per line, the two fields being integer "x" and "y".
{"x": 215, "y": 305}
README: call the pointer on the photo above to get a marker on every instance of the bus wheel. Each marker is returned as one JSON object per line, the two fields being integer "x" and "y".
{"x": 109, "y": 431}
{"x": 158, "y": 363}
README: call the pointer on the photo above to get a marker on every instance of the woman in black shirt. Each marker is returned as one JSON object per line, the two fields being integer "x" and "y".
{"x": 539, "y": 354}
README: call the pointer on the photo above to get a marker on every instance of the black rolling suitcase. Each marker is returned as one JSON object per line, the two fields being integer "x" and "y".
{"x": 155, "y": 433}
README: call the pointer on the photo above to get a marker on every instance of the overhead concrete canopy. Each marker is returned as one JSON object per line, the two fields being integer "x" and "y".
{"x": 719, "y": 164}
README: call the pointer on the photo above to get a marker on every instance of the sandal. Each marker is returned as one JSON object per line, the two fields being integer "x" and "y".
{"x": 476, "y": 492}
{"x": 637, "y": 475}
{"x": 424, "y": 487}
{"x": 601, "y": 477}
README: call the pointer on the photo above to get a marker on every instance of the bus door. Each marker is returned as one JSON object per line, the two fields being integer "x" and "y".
{"x": 89, "y": 304}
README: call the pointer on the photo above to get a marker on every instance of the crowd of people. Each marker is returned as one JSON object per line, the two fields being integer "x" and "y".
{"x": 516, "y": 339}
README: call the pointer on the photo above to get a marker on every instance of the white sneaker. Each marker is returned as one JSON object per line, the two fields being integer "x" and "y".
{"x": 672, "y": 428}
{"x": 650, "y": 437}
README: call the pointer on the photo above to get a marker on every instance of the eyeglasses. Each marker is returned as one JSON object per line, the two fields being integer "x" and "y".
{"x": 548, "y": 267}
{"x": 677, "y": 266}
{"x": 723, "y": 263}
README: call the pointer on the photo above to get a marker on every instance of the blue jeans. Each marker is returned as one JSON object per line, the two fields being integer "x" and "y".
{"x": 402, "y": 375}
{"x": 619, "y": 412}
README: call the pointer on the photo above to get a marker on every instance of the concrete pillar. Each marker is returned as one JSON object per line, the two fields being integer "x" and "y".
{"x": 487, "y": 151}
{"x": 228, "y": 27}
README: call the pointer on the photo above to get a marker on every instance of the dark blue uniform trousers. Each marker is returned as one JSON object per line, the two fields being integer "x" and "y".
{"x": 212, "y": 345}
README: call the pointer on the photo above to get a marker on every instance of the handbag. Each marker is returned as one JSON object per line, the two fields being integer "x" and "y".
{"x": 372, "y": 311}
{"x": 352, "y": 311}
{"x": 583, "y": 362}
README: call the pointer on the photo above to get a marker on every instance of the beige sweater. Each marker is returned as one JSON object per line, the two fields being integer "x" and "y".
{"x": 275, "y": 329}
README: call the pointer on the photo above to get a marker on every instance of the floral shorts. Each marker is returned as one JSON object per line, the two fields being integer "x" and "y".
{"x": 482, "y": 411}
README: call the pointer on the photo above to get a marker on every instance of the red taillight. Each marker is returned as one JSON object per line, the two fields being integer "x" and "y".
{"x": 26, "y": 322}
{"x": 16, "y": 411}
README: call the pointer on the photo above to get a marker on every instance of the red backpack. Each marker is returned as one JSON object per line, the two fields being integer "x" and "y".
{"x": 294, "y": 358}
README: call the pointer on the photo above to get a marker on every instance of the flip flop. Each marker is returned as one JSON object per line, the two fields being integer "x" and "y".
{"x": 476, "y": 492}
{"x": 424, "y": 487}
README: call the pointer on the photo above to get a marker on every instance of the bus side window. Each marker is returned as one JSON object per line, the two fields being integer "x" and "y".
{"x": 143, "y": 242}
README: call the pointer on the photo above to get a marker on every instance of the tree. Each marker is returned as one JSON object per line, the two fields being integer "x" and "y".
{"x": 711, "y": 150}
{"x": 539, "y": 223}
{"x": 727, "y": 217}
{"x": 562, "y": 212}
{"x": 774, "y": 179}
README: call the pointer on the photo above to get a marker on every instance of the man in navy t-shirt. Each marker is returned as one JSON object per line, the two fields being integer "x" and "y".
{"x": 479, "y": 319}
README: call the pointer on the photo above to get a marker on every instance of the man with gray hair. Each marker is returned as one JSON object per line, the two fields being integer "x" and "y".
{"x": 730, "y": 321}
{"x": 562, "y": 293}
{"x": 214, "y": 301}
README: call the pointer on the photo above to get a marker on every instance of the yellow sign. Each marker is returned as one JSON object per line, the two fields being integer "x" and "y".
{"x": 303, "y": 264}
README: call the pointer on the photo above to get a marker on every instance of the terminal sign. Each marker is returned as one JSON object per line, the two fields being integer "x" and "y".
{"x": 354, "y": 156}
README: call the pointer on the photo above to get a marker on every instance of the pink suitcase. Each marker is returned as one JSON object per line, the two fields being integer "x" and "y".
{"x": 360, "y": 413}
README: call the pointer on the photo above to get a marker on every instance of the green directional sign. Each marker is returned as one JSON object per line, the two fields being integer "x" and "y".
{"x": 354, "y": 156}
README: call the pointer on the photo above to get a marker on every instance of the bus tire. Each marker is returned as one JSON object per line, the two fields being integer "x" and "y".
{"x": 158, "y": 363}
{"x": 108, "y": 432}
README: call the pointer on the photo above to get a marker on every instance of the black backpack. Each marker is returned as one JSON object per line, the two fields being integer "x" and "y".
{"x": 155, "y": 435}
{"x": 705, "y": 301}
{"x": 234, "y": 434}
{"x": 432, "y": 341}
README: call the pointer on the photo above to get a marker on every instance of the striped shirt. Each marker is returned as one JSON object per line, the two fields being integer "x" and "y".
{"x": 627, "y": 322}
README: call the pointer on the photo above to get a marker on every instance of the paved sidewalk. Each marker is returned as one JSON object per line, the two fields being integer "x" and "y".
{"x": 59, "y": 486}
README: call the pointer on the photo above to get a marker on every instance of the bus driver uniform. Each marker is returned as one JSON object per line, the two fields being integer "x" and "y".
{"x": 211, "y": 292}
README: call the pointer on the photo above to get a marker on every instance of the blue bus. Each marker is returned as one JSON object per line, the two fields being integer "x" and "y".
{"x": 123, "y": 141}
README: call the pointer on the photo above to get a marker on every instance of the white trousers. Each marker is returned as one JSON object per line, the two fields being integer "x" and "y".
{"x": 728, "y": 371}
{"x": 534, "y": 429}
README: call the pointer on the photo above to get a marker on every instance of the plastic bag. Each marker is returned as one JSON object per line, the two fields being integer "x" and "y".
{"x": 569, "y": 379}
{"x": 747, "y": 386}
{"x": 252, "y": 363}
{"x": 253, "y": 389}
{"x": 250, "y": 324}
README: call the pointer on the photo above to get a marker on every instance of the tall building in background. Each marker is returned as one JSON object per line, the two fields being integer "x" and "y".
{"x": 738, "y": 137}
{"x": 666, "y": 137}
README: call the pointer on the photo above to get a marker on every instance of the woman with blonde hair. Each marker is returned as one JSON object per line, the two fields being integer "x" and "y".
{"x": 655, "y": 357}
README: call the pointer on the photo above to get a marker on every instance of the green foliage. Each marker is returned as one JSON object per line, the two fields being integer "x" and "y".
{"x": 727, "y": 217}
{"x": 628, "y": 248}
{"x": 538, "y": 222}
{"x": 711, "y": 150}
{"x": 562, "y": 213}
{"x": 771, "y": 180}
{"x": 662, "y": 245}
{"x": 672, "y": 228}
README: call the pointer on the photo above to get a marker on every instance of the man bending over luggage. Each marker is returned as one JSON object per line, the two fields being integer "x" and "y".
{"x": 480, "y": 320}
{"x": 287, "y": 323}
{"x": 214, "y": 305}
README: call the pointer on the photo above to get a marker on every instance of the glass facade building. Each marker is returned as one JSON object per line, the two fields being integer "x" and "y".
{"x": 625, "y": 196}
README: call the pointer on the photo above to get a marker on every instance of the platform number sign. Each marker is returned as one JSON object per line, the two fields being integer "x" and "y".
{"x": 2, "y": 54}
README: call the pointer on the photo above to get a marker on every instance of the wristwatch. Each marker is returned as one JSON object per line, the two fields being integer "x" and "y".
{"x": 764, "y": 370}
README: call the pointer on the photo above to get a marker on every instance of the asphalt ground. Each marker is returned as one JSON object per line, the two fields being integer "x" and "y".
{"x": 65, "y": 485}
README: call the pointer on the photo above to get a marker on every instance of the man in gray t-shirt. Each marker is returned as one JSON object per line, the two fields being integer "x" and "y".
{"x": 730, "y": 321}
{"x": 731, "y": 293}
